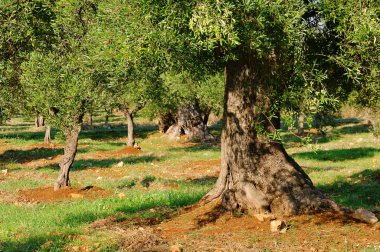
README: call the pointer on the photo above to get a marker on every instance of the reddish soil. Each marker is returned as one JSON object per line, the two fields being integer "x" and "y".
{"x": 322, "y": 232}
{"x": 201, "y": 168}
{"x": 208, "y": 228}
{"x": 47, "y": 194}
{"x": 109, "y": 154}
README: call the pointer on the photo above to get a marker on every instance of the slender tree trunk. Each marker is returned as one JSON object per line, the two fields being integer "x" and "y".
{"x": 47, "y": 138}
{"x": 41, "y": 120}
{"x": 36, "y": 121}
{"x": 90, "y": 119}
{"x": 131, "y": 138}
{"x": 301, "y": 121}
{"x": 106, "y": 119}
{"x": 257, "y": 175}
{"x": 70, "y": 151}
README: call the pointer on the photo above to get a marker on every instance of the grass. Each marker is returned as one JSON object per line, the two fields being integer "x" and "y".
{"x": 345, "y": 164}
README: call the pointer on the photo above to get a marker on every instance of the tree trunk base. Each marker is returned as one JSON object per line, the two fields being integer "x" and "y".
{"x": 271, "y": 183}
{"x": 189, "y": 123}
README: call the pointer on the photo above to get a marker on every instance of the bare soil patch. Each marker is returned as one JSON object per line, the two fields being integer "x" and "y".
{"x": 126, "y": 151}
{"x": 322, "y": 232}
{"x": 47, "y": 194}
{"x": 201, "y": 168}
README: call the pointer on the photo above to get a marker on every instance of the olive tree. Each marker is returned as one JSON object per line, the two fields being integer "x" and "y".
{"x": 259, "y": 43}
{"x": 60, "y": 80}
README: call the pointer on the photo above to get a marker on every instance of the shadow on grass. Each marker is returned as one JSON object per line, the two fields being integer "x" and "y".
{"x": 338, "y": 154}
{"x": 36, "y": 243}
{"x": 84, "y": 164}
{"x": 293, "y": 140}
{"x": 22, "y": 156}
{"x": 24, "y": 135}
{"x": 206, "y": 180}
{"x": 359, "y": 190}
{"x": 104, "y": 134}
{"x": 138, "y": 203}
{"x": 353, "y": 129}
{"x": 215, "y": 146}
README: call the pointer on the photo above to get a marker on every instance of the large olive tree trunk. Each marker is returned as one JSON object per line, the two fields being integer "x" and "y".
{"x": 70, "y": 151}
{"x": 165, "y": 121}
{"x": 131, "y": 136}
{"x": 190, "y": 123}
{"x": 257, "y": 175}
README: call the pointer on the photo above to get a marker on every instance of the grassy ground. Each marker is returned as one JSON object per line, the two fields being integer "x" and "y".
{"x": 148, "y": 187}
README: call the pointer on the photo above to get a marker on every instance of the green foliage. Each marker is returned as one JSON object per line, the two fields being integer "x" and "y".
{"x": 24, "y": 27}
{"x": 356, "y": 25}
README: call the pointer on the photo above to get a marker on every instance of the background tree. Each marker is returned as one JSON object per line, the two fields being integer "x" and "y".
{"x": 24, "y": 27}
{"x": 60, "y": 80}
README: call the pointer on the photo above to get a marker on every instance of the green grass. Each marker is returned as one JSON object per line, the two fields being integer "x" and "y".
{"x": 345, "y": 164}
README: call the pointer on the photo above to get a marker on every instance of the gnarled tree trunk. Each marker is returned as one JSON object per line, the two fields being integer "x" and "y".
{"x": 189, "y": 123}
{"x": 131, "y": 136}
{"x": 70, "y": 151}
{"x": 165, "y": 121}
{"x": 47, "y": 138}
{"x": 257, "y": 175}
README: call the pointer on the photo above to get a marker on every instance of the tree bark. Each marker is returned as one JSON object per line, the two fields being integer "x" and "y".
{"x": 165, "y": 121}
{"x": 41, "y": 121}
{"x": 47, "y": 138}
{"x": 36, "y": 121}
{"x": 189, "y": 123}
{"x": 106, "y": 121}
{"x": 131, "y": 137}
{"x": 90, "y": 119}
{"x": 301, "y": 121}
{"x": 206, "y": 116}
{"x": 257, "y": 175}
{"x": 70, "y": 151}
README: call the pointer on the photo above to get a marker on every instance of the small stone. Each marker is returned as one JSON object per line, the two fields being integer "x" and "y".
{"x": 121, "y": 195}
{"x": 152, "y": 210}
{"x": 4, "y": 172}
{"x": 120, "y": 164}
{"x": 76, "y": 196}
{"x": 50, "y": 158}
{"x": 277, "y": 226}
{"x": 175, "y": 248}
{"x": 141, "y": 229}
{"x": 365, "y": 215}
{"x": 99, "y": 178}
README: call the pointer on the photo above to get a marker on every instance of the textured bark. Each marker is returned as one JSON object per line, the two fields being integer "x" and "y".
{"x": 165, "y": 121}
{"x": 70, "y": 151}
{"x": 301, "y": 121}
{"x": 206, "y": 116}
{"x": 257, "y": 175}
{"x": 131, "y": 137}
{"x": 90, "y": 121}
{"x": 189, "y": 123}
{"x": 47, "y": 138}
{"x": 106, "y": 121}
{"x": 36, "y": 121}
{"x": 39, "y": 121}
